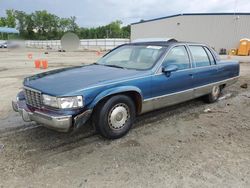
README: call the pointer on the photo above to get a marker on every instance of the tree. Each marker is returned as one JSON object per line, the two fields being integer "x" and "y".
{"x": 126, "y": 31}
{"x": 72, "y": 24}
{"x": 115, "y": 28}
{"x": 2, "y": 22}
{"x": 43, "y": 25}
{"x": 30, "y": 28}
{"x": 10, "y": 19}
{"x": 21, "y": 18}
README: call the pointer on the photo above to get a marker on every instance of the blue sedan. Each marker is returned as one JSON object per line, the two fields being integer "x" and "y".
{"x": 131, "y": 79}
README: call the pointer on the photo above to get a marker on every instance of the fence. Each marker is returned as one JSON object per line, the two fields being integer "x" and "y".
{"x": 90, "y": 44}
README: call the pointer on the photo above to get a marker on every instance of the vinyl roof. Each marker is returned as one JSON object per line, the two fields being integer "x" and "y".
{"x": 8, "y": 30}
{"x": 154, "y": 41}
{"x": 192, "y": 14}
{"x": 157, "y": 43}
{"x": 164, "y": 43}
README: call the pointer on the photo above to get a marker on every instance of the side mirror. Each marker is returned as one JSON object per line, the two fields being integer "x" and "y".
{"x": 169, "y": 69}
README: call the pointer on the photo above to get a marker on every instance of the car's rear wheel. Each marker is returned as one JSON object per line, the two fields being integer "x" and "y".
{"x": 114, "y": 117}
{"x": 214, "y": 95}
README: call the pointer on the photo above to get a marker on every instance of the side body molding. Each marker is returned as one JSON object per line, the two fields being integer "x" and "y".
{"x": 112, "y": 91}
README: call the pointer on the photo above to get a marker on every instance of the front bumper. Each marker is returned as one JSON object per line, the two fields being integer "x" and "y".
{"x": 58, "y": 122}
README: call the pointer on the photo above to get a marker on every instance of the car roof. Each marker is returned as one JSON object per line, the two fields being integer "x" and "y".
{"x": 164, "y": 44}
{"x": 160, "y": 42}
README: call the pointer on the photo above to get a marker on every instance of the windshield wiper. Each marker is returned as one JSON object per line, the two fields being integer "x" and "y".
{"x": 116, "y": 66}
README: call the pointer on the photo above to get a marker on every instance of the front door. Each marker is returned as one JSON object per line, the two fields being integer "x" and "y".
{"x": 169, "y": 89}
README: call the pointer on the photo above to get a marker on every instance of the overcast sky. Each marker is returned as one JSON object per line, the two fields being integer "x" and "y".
{"x": 90, "y": 13}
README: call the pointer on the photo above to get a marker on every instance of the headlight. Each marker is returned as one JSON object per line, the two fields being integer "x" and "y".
{"x": 70, "y": 102}
{"x": 63, "y": 102}
{"x": 50, "y": 101}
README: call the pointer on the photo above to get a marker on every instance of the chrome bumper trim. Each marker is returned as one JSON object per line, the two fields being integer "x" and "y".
{"x": 61, "y": 123}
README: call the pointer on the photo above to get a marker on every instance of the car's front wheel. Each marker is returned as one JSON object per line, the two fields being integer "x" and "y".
{"x": 114, "y": 117}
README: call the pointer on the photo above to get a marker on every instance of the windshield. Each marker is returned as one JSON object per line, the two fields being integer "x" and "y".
{"x": 133, "y": 57}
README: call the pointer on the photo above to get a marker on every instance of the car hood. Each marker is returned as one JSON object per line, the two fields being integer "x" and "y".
{"x": 62, "y": 82}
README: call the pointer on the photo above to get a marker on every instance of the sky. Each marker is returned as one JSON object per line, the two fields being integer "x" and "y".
{"x": 92, "y": 13}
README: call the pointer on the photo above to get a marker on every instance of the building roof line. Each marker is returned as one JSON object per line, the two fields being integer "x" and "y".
{"x": 8, "y": 30}
{"x": 192, "y": 14}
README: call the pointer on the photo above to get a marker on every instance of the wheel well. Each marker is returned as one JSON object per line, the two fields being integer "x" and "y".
{"x": 135, "y": 97}
{"x": 222, "y": 86}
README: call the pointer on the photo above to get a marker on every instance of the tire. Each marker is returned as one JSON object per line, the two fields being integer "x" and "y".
{"x": 114, "y": 117}
{"x": 214, "y": 95}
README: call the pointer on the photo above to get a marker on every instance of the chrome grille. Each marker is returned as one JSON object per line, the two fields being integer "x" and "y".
{"x": 33, "y": 98}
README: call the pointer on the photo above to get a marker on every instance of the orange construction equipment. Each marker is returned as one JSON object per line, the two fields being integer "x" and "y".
{"x": 37, "y": 63}
{"x": 44, "y": 64}
{"x": 244, "y": 48}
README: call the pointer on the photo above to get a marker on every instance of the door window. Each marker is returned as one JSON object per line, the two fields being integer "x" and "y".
{"x": 200, "y": 56}
{"x": 178, "y": 56}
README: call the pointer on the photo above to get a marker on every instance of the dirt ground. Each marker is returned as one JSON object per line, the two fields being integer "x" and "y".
{"x": 180, "y": 146}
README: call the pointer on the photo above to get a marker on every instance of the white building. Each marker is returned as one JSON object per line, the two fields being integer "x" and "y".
{"x": 219, "y": 30}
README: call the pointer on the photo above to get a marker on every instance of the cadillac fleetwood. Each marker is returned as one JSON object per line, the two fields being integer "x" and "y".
{"x": 131, "y": 79}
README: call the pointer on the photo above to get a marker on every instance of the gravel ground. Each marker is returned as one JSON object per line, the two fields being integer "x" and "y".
{"x": 180, "y": 146}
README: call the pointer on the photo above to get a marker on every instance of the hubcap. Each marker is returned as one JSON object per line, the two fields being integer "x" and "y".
{"x": 118, "y": 116}
{"x": 216, "y": 91}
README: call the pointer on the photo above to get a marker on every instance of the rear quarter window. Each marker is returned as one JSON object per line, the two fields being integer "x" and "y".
{"x": 216, "y": 55}
{"x": 211, "y": 57}
{"x": 200, "y": 56}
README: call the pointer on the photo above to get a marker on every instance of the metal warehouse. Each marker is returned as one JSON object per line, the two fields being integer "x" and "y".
{"x": 219, "y": 30}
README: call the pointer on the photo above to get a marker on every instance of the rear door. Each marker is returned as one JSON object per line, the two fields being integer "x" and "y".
{"x": 168, "y": 90}
{"x": 205, "y": 70}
